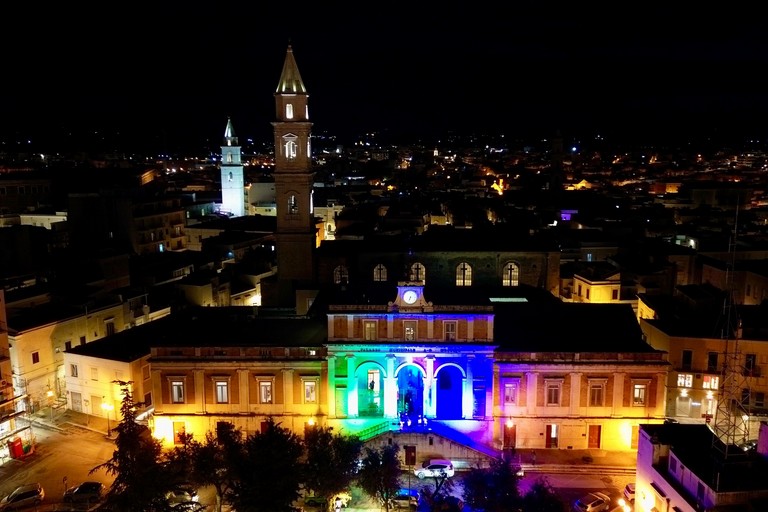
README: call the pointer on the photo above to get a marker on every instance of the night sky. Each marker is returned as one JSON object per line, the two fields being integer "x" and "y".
{"x": 169, "y": 77}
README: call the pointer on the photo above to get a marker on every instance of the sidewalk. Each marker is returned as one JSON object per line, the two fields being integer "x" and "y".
{"x": 61, "y": 420}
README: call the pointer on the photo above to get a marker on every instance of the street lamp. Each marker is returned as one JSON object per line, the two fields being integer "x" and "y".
{"x": 49, "y": 394}
{"x": 107, "y": 407}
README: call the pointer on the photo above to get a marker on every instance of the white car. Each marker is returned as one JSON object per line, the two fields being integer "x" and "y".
{"x": 435, "y": 468}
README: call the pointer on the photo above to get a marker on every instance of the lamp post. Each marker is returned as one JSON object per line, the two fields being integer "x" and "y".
{"x": 107, "y": 407}
{"x": 49, "y": 394}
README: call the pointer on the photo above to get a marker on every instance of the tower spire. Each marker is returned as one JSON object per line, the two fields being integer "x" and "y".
{"x": 232, "y": 178}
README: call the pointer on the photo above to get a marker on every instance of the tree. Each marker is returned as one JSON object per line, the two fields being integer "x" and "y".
{"x": 542, "y": 498}
{"x": 141, "y": 479}
{"x": 379, "y": 475}
{"x": 267, "y": 471}
{"x": 493, "y": 488}
{"x": 332, "y": 461}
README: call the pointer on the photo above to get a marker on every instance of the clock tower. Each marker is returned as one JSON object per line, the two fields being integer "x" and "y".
{"x": 296, "y": 232}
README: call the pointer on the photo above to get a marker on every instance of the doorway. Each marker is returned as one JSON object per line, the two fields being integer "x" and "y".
{"x": 594, "y": 435}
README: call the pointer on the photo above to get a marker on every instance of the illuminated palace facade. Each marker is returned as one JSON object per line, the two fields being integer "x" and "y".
{"x": 568, "y": 376}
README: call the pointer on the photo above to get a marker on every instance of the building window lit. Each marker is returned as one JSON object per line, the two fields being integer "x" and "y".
{"x": 511, "y": 275}
{"x": 369, "y": 330}
{"x": 341, "y": 275}
{"x": 293, "y": 204}
{"x": 222, "y": 392}
{"x": 418, "y": 273}
{"x": 450, "y": 330}
{"x": 710, "y": 382}
{"x": 464, "y": 274}
{"x": 265, "y": 392}
{"x": 379, "y": 273}
{"x": 290, "y": 149}
{"x": 177, "y": 391}
{"x": 310, "y": 391}
{"x": 684, "y": 380}
{"x": 289, "y": 110}
{"x": 638, "y": 394}
{"x": 409, "y": 330}
{"x": 510, "y": 393}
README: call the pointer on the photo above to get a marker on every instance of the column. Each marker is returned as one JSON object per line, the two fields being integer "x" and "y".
{"x": 573, "y": 408}
{"x": 331, "y": 393}
{"x": 661, "y": 388}
{"x": 469, "y": 389}
{"x": 288, "y": 403}
{"x": 199, "y": 377}
{"x": 429, "y": 403}
{"x": 530, "y": 392}
{"x": 617, "y": 402}
{"x": 352, "y": 399}
{"x": 390, "y": 388}
{"x": 244, "y": 391}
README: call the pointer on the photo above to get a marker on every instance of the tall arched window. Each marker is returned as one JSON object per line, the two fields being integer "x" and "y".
{"x": 341, "y": 275}
{"x": 511, "y": 275}
{"x": 293, "y": 205}
{"x": 379, "y": 273}
{"x": 290, "y": 149}
{"x": 463, "y": 274}
{"x": 418, "y": 273}
{"x": 289, "y": 111}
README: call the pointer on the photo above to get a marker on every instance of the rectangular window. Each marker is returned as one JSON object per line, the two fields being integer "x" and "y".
{"x": 35, "y": 357}
{"x": 510, "y": 393}
{"x": 369, "y": 329}
{"x": 73, "y": 370}
{"x": 82, "y": 340}
{"x": 553, "y": 392}
{"x": 614, "y": 294}
{"x": 109, "y": 327}
{"x": 684, "y": 380}
{"x": 596, "y": 394}
{"x": 759, "y": 399}
{"x": 222, "y": 392}
{"x": 409, "y": 328}
{"x": 177, "y": 391}
{"x": 265, "y": 392}
{"x": 147, "y": 399}
{"x": 638, "y": 394}
{"x": 310, "y": 392}
{"x": 712, "y": 362}
{"x": 450, "y": 331}
{"x": 94, "y": 373}
{"x": 145, "y": 372}
{"x": 687, "y": 362}
{"x": 68, "y": 345}
{"x": 750, "y": 362}
{"x": 710, "y": 382}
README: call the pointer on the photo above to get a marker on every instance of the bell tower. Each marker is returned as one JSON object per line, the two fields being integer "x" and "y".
{"x": 296, "y": 232}
{"x": 232, "y": 182}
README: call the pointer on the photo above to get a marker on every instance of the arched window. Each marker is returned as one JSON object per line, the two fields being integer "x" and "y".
{"x": 289, "y": 111}
{"x": 293, "y": 205}
{"x": 463, "y": 274}
{"x": 231, "y": 176}
{"x": 341, "y": 275}
{"x": 418, "y": 273}
{"x": 511, "y": 275}
{"x": 379, "y": 273}
{"x": 290, "y": 149}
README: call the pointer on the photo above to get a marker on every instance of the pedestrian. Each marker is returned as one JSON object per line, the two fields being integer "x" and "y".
{"x": 533, "y": 457}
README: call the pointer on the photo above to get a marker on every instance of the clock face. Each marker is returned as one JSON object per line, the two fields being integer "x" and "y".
{"x": 410, "y": 296}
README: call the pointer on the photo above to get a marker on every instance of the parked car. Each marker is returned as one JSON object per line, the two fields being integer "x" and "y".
{"x": 23, "y": 496}
{"x": 592, "y": 502}
{"x": 406, "y": 498}
{"x": 183, "y": 497}
{"x": 86, "y": 492}
{"x": 629, "y": 492}
{"x": 435, "y": 467}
